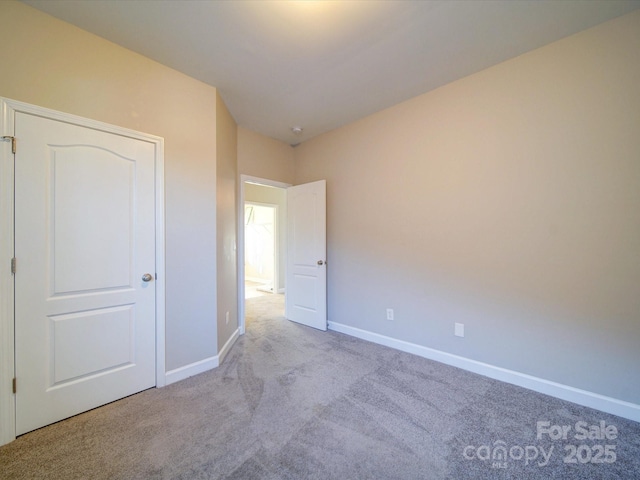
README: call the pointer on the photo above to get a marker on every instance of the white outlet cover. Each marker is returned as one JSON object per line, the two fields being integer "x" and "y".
{"x": 458, "y": 329}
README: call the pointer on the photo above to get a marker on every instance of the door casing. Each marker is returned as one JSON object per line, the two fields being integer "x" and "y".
{"x": 7, "y": 308}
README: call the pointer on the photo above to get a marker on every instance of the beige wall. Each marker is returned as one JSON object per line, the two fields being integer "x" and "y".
{"x": 273, "y": 196}
{"x": 226, "y": 145}
{"x": 508, "y": 201}
{"x": 53, "y": 64}
{"x": 264, "y": 157}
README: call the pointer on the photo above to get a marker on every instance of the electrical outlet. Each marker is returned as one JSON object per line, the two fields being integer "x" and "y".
{"x": 389, "y": 313}
{"x": 226, "y": 317}
{"x": 458, "y": 329}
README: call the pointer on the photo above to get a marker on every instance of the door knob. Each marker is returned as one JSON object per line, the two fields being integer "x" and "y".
{"x": 147, "y": 277}
{"x": 320, "y": 262}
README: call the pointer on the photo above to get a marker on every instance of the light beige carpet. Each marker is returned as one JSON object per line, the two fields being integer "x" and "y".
{"x": 293, "y": 403}
{"x": 264, "y": 307}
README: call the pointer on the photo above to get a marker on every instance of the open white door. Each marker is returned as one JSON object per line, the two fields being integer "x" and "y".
{"x": 85, "y": 281}
{"x": 306, "y": 297}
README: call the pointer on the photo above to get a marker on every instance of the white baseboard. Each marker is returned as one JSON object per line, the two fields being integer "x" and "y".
{"x": 227, "y": 346}
{"x": 173, "y": 376}
{"x": 564, "y": 392}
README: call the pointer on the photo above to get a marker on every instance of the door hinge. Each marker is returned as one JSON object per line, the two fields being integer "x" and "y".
{"x": 13, "y": 142}
{"x": 13, "y": 266}
{"x": 14, "y": 385}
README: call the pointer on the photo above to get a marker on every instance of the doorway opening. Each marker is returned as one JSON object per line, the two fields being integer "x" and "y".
{"x": 262, "y": 249}
{"x": 261, "y": 272}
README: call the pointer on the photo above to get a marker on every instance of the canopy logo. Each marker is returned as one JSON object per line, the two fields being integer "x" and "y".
{"x": 499, "y": 454}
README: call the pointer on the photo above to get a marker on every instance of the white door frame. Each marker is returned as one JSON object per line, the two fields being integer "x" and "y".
{"x": 7, "y": 311}
{"x": 260, "y": 181}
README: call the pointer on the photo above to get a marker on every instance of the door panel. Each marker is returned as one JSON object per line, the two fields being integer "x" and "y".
{"x": 75, "y": 335}
{"x": 306, "y": 297}
{"x": 84, "y": 236}
{"x": 93, "y": 194}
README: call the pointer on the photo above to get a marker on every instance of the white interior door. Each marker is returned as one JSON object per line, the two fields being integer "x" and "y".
{"x": 306, "y": 297}
{"x": 84, "y": 238}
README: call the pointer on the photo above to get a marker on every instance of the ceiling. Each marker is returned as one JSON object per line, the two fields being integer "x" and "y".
{"x": 323, "y": 64}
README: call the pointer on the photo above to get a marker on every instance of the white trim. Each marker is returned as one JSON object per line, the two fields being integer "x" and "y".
{"x": 240, "y": 251}
{"x": 160, "y": 266}
{"x": 227, "y": 346}
{"x": 263, "y": 181}
{"x": 7, "y": 367}
{"x": 564, "y": 392}
{"x": 201, "y": 366}
{"x": 8, "y": 108}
